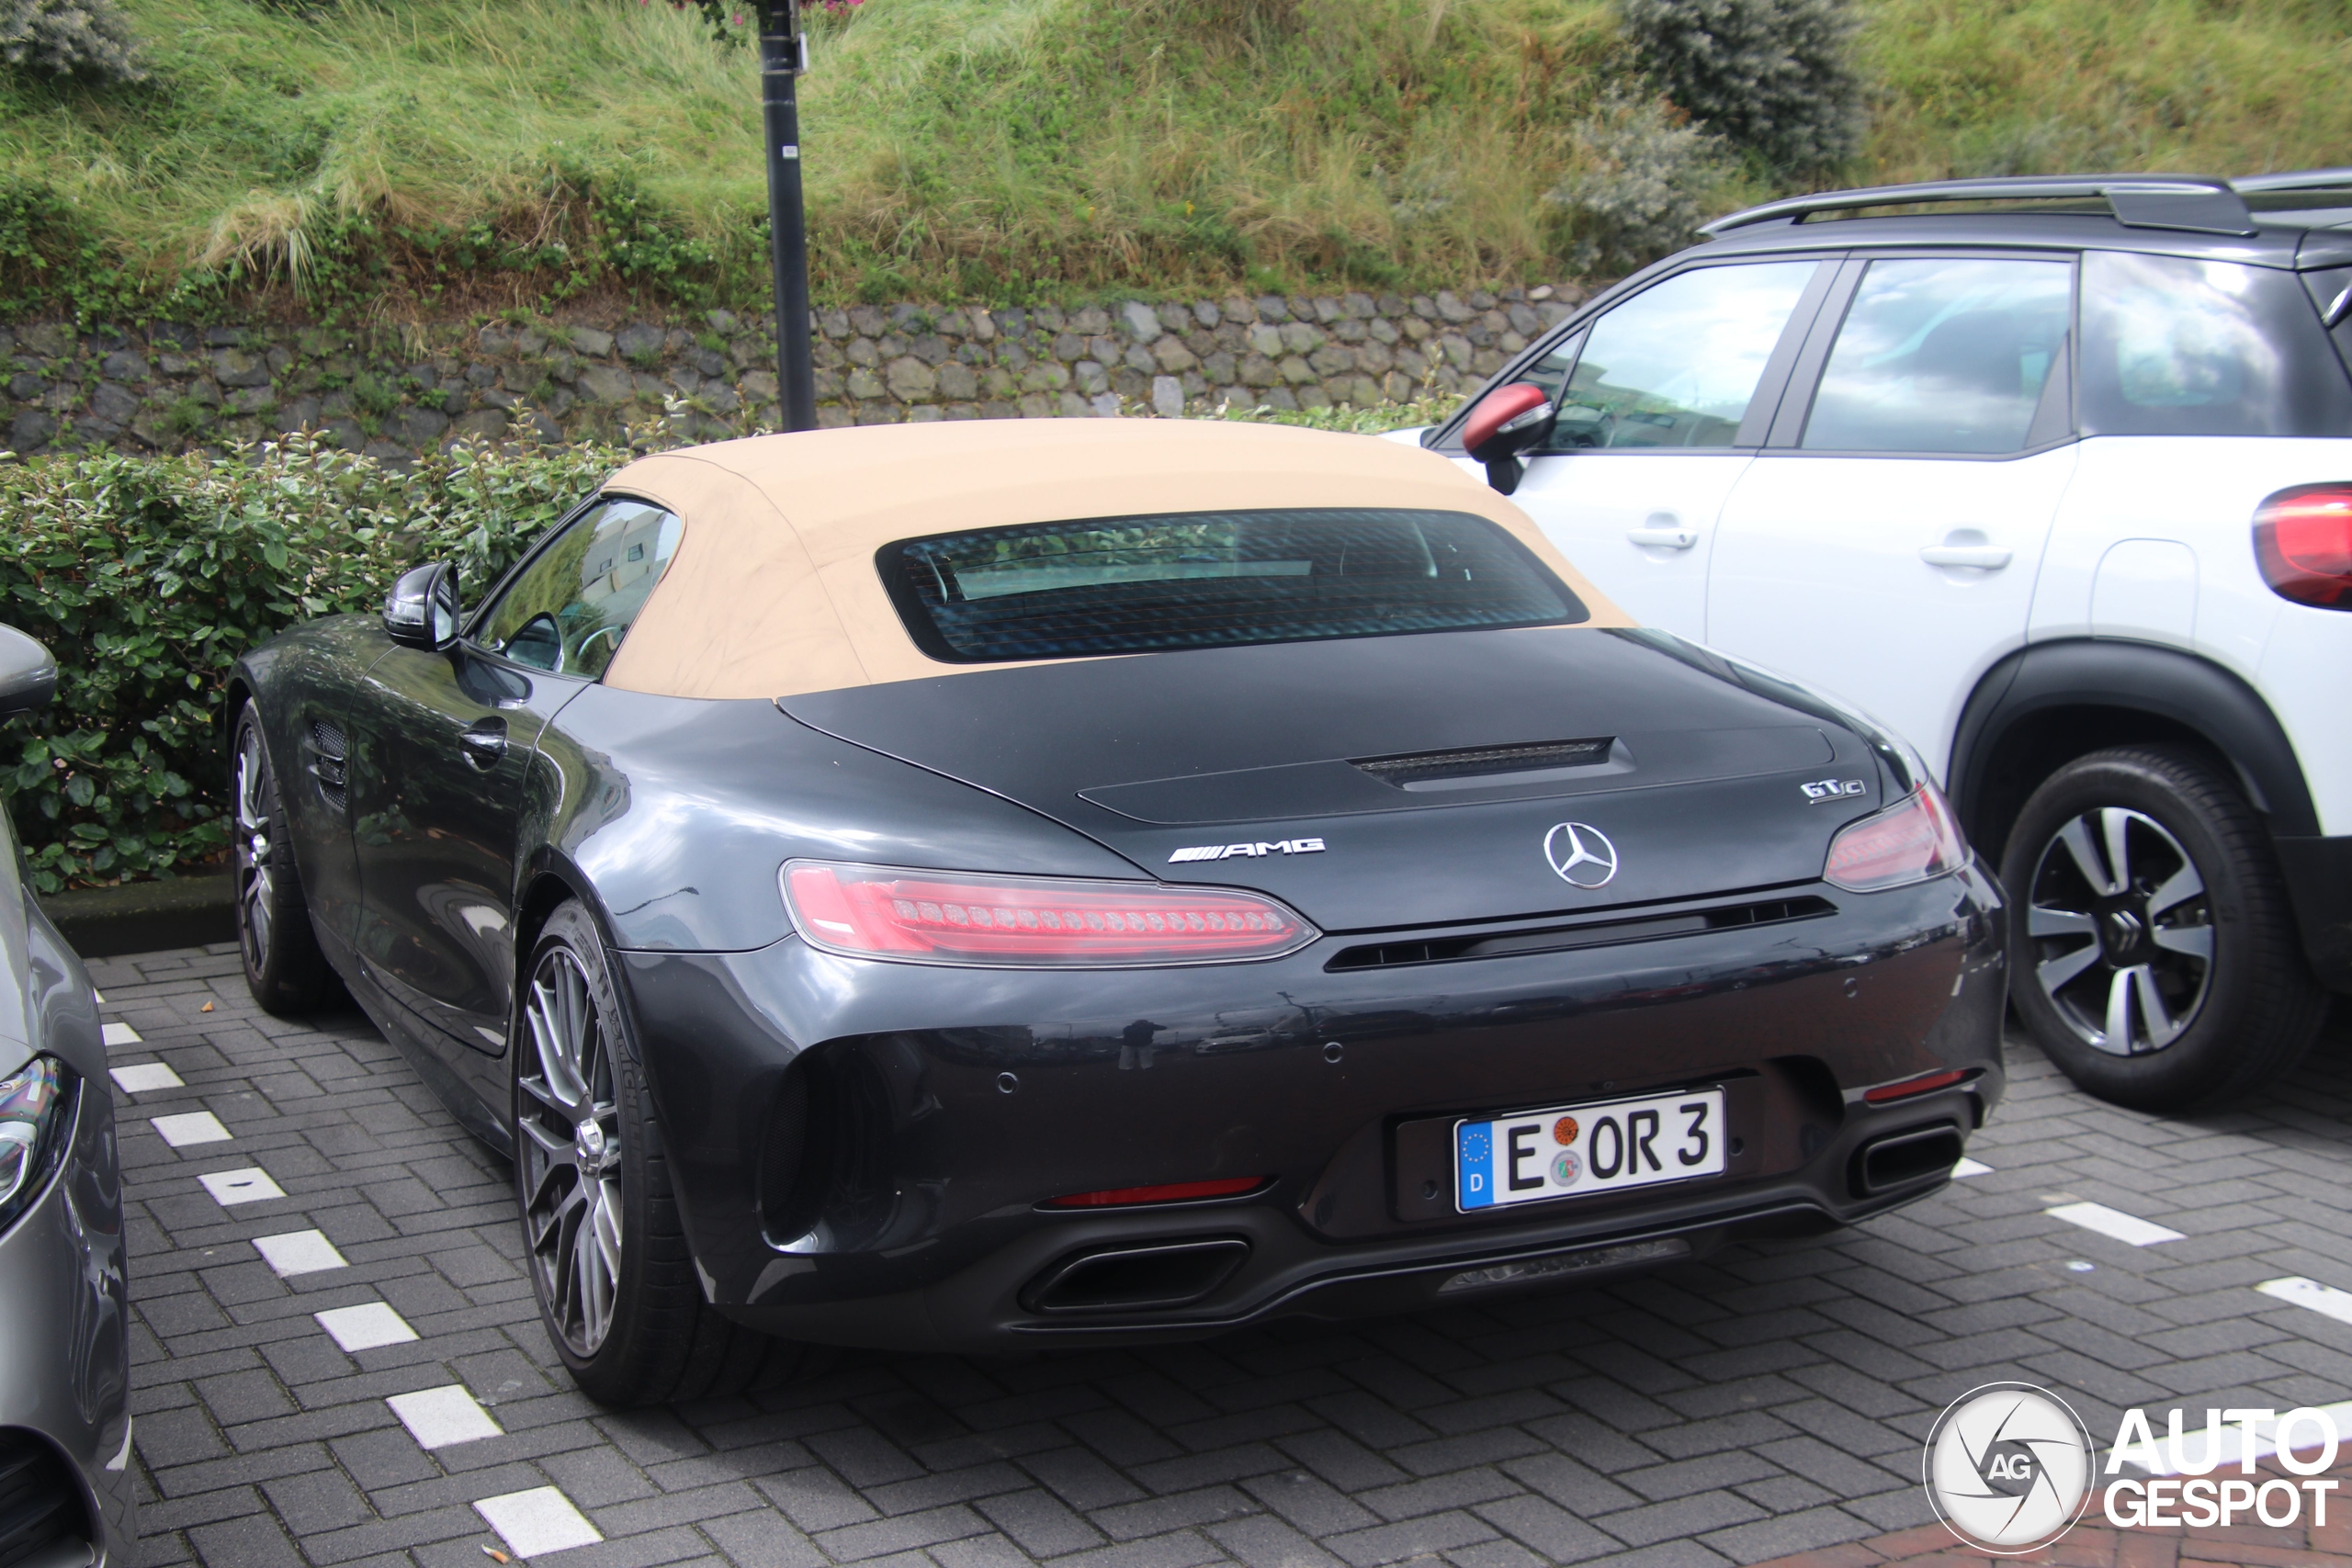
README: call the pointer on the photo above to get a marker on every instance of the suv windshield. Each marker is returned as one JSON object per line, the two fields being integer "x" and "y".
{"x": 1213, "y": 580}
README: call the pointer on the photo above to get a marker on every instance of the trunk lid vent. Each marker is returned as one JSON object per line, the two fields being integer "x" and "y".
{"x": 1480, "y": 761}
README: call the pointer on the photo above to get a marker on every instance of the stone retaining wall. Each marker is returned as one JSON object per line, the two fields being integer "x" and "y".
{"x": 171, "y": 388}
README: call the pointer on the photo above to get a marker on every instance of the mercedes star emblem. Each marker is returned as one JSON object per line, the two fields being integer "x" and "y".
{"x": 1581, "y": 854}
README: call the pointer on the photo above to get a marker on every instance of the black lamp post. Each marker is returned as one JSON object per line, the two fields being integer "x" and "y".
{"x": 784, "y": 54}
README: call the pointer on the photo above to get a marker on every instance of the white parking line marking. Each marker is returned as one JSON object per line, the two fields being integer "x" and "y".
{"x": 298, "y": 1252}
{"x": 251, "y": 1185}
{"x": 115, "y": 1034}
{"x": 539, "y": 1521}
{"x": 2129, "y": 1229}
{"x": 442, "y": 1417}
{"x": 1971, "y": 1168}
{"x": 192, "y": 1127}
{"x": 365, "y": 1328}
{"x": 145, "y": 1077}
{"x": 2325, "y": 1300}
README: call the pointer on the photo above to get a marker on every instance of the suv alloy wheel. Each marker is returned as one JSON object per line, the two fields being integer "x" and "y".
{"x": 2152, "y": 953}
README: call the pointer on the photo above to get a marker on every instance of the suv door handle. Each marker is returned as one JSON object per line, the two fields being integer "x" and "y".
{"x": 483, "y": 744}
{"x": 1663, "y": 531}
{"x": 1986, "y": 558}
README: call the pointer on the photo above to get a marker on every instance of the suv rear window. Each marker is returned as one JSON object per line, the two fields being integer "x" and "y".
{"x": 1215, "y": 580}
{"x": 2173, "y": 347}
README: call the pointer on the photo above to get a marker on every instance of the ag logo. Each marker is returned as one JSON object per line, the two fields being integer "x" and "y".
{"x": 2008, "y": 1467}
{"x": 1581, "y": 854}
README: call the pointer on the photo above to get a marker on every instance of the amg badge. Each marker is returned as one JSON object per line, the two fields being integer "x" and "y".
{"x": 1228, "y": 851}
{"x": 1833, "y": 789}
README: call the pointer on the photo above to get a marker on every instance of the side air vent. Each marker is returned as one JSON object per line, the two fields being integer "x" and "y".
{"x": 41, "y": 1520}
{"x": 1424, "y": 767}
{"x": 1587, "y": 933}
{"x": 324, "y": 761}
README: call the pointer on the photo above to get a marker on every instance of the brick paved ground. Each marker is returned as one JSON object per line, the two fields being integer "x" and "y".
{"x": 1769, "y": 1402}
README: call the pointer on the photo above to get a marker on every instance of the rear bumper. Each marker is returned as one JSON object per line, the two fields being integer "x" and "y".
{"x": 64, "y": 1357}
{"x": 2319, "y": 884}
{"x": 870, "y": 1142}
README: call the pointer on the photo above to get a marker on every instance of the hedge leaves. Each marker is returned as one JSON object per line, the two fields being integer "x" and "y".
{"x": 148, "y": 577}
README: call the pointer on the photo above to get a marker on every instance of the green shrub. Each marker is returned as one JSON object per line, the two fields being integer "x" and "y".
{"x": 148, "y": 577}
{"x": 1644, "y": 185}
{"x": 64, "y": 38}
{"x": 1775, "y": 77}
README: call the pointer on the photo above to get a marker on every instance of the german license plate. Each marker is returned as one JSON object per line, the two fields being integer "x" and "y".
{"x": 1572, "y": 1150}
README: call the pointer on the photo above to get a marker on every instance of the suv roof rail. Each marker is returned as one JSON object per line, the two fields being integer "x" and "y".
{"x": 2294, "y": 179}
{"x": 2198, "y": 203}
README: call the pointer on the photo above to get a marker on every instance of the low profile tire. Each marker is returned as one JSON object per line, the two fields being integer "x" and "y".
{"x": 284, "y": 968}
{"x": 609, "y": 1261}
{"x": 2153, "y": 956}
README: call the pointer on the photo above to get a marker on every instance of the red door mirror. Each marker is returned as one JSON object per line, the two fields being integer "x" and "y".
{"x": 1503, "y": 414}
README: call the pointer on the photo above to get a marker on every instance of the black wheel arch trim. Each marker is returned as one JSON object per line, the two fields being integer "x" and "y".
{"x": 2186, "y": 694}
{"x": 2137, "y": 677}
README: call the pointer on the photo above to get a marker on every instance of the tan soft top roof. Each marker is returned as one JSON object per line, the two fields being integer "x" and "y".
{"x": 774, "y": 590}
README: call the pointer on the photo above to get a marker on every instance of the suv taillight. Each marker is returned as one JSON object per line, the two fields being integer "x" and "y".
{"x": 2304, "y": 539}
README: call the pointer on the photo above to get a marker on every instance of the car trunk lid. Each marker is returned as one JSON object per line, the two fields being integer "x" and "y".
{"x": 1396, "y": 781}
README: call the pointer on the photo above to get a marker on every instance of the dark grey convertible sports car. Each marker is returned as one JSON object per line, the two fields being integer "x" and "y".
{"x": 995, "y": 885}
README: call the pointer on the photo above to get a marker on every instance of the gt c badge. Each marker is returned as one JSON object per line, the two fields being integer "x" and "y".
{"x": 1228, "y": 852}
{"x": 1581, "y": 854}
{"x": 1833, "y": 789}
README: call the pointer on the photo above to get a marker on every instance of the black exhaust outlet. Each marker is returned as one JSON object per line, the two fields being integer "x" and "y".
{"x": 1903, "y": 1159}
{"x": 1143, "y": 1278}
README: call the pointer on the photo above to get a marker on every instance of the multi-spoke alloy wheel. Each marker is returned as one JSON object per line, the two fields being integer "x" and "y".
{"x": 620, "y": 1290}
{"x": 254, "y": 814}
{"x": 568, "y": 1152}
{"x": 284, "y": 968}
{"x": 2153, "y": 956}
{"x": 2123, "y": 934}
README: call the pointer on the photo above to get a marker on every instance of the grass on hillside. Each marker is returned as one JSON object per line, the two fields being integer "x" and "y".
{"x": 438, "y": 157}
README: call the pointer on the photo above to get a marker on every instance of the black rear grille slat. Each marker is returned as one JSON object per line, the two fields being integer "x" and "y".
{"x": 1419, "y": 767}
{"x": 41, "y": 1508}
{"x": 1585, "y": 934}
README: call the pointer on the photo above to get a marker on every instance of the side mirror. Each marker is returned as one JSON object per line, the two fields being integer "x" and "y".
{"x": 28, "y": 673}
{"x": 1507, "y": 421}
{"x": 421, "y": 612}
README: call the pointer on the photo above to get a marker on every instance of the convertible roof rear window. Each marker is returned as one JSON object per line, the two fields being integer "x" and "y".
{"x": 1213, "y": 580}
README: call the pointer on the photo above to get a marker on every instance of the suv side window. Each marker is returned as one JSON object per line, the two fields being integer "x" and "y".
{"x": 1678, "y": 364}
{"x": 569, "y": 610}
{"x": 1943, "y": 354}
{"x": 2175, "y": 347}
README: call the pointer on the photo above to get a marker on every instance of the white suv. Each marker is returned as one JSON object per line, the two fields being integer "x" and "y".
{"x": 2053, "y": 477}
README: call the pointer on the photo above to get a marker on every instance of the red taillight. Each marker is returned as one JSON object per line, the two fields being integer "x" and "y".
{"x": 1924, "y": 1084}
{"x": 928, "y": 917}
{"x": 1911, "y": 840}
{"x": 2302, "y": 538}
{"x": 1174, "y": 1193}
